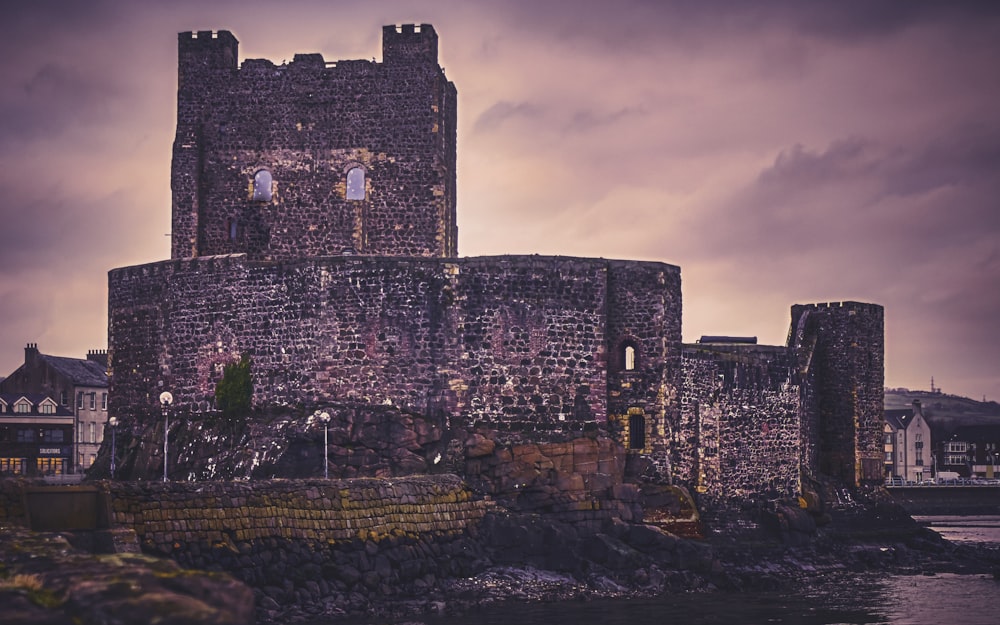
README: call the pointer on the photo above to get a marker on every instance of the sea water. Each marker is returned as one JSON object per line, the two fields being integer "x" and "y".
{"x": 942, "y": 599}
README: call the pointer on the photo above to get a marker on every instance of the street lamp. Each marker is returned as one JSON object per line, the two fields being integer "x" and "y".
{"x": 113, "y": 422}
{"x": 325, "y": 418}
{"x": 165, "y": 400}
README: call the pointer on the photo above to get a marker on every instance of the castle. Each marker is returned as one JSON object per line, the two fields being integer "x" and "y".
{"x": 314, "y": 231}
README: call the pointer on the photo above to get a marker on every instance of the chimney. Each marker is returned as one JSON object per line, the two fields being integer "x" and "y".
{"x": 30, "y": 352}
{"x": 100, "y": 356}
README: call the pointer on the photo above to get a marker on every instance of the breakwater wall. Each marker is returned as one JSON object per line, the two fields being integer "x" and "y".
{"x": 308, "y": 541}
{"x": 301, "y": 542}
{"x": 950, "y": 500}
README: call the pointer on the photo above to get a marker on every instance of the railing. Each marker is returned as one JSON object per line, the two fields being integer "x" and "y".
{"x": 896, "y": 482}
{"x": 70, "y": 478}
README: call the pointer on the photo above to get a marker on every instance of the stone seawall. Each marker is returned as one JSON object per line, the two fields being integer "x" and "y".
{"x": 168, "y": 517}
{"x": 948, "y": 500}
{"x": 337, "y": 544}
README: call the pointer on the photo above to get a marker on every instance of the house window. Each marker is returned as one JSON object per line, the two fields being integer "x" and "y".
{"x": 50, "y": 466}
{"x": 12, "y": 465}
{"x": 93, "y": 432}
{"x": 262, "y": 186}
{"x": 52, "y": 436}
{"x": 79, "y": 399}
{"x": 93, "y": 401}
{"x": 47, "y": 408}
{"x": 629, "y": 358}
{"x": 64, "y": 398}
{"x": 104, "y": 401}
{"x": 22, "y": 407}
{"x": 25, "y": 435}
{"x": 356, "y": 184}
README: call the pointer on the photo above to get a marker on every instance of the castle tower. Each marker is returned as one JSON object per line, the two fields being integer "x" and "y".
{"x": 311, "y": 158}
{"x": 842, "y": 347}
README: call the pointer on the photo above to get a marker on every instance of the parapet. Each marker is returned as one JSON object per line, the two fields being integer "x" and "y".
{"x": 409, "y": 43}
{"x": 218, "y": 49}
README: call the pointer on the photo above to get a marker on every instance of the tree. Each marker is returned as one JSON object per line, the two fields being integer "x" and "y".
{"x": 235, "y": 390}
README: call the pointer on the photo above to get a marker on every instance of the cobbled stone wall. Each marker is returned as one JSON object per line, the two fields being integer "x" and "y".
{"x": 741, "y": 409}
{"x": 509, "y": 339}
{"x": 168, "y": 517}
{"x": 842, "y": 347}
{"x": 307, "y": 123}
{"x": 303, "y": 541}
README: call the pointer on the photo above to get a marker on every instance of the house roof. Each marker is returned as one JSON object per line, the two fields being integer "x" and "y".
{"x": 899, "y": 419}
{"x": 35, "y": 398}
{"x": 81, "y": 371}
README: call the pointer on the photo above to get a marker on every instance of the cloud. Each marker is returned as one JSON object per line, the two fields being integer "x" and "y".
{"x": 778, "y": 151}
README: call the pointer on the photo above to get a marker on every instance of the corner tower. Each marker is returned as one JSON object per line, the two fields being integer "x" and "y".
{"x": 841, "y": 349}
{"x": 314, "y": 158}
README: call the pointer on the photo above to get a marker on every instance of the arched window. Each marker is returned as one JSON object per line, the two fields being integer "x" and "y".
{"x": 233, "y": 229}
{"x": 356, "y": 184}
{"x": 630, "y": 358}
{"x": 262, "y": 186}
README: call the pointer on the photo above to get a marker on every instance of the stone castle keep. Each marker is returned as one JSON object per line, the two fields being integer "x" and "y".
{"x": 314, "y": 232}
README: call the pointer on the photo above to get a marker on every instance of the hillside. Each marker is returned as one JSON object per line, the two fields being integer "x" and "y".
{"x": 944, "y": 412}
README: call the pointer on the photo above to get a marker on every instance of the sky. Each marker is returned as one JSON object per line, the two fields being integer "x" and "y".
{"x": 778, "y": 151}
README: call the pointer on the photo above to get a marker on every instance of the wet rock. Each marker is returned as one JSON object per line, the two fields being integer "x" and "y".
{"x": 65, "y": 585}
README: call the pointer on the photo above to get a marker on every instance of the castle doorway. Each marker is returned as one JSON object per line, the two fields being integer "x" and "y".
{"x": 636, "y": 429}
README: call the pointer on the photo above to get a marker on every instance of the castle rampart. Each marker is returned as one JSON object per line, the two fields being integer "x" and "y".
{"x": 493, "y": 340}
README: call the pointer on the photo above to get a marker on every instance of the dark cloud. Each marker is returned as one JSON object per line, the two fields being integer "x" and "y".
{"x": 779, "y": 151}
{"x": 504, "y": 112}
{"x": 56, "y": 97}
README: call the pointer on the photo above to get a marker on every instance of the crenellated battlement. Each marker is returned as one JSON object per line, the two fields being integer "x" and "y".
{"x": 406, "y": 43}
{"x": 214, "y": 49}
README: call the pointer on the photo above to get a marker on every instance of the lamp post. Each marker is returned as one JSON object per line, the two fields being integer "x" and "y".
{"x": 113, "y": 422}
{"x": 165, "y": 400}
{"x": 325, "y": 418}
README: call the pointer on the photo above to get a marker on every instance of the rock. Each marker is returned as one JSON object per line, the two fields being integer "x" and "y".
{"x": 477, "y": 446}
{"x": 135, "y": 588}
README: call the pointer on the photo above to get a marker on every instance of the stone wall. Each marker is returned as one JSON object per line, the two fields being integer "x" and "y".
{"x": 842, "y": 347}
{"x": 306, "y": 541}
{"x": 741, "y": 436}
{"x": 182, "y": 516}
{"x": 307, "y": 123}
{"x": 500, "y": 340}
{"x": 644, "y": 304}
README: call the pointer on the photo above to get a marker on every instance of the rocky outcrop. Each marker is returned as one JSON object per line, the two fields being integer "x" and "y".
{"x": 44, "y": 580}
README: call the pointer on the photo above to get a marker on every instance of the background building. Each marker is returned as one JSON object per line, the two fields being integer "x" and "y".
{"x": 36, "y": 435}
{"x": 908, "y": 444}
{"x": 79, "y": 385}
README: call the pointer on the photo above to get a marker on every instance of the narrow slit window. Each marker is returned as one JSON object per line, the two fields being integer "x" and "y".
{"x": 262, "y": 186}
{"x": 356, "y": 184}
{"x": 233, "y": 229}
